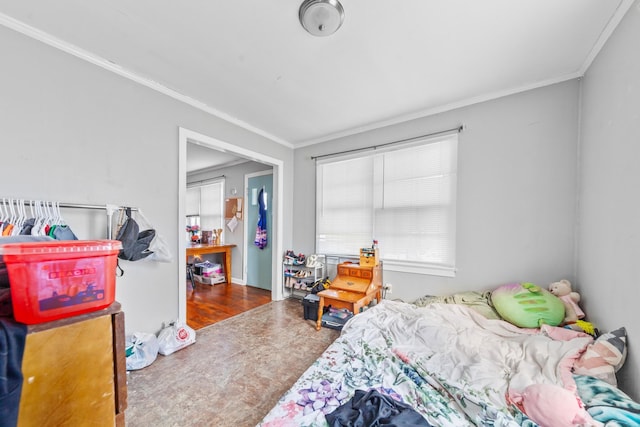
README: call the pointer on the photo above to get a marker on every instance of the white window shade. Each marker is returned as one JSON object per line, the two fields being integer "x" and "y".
{"x": 211, "y": 205}
{"x": 344, "y": 200}
{"x": 404, "y": 198}
{"x": 193, "y": 201}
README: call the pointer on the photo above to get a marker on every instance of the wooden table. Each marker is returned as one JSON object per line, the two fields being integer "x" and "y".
{"x": 225, "y": 250}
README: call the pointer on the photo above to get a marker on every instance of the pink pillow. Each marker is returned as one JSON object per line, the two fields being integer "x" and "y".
{"x": 550, "y": 405}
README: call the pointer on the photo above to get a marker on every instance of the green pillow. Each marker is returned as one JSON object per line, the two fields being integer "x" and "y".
{"x": 527, "y": 305}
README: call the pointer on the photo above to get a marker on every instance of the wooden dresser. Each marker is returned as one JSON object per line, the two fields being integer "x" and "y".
{"x": 354, "y": 287}
{"x": 75, "y": 371}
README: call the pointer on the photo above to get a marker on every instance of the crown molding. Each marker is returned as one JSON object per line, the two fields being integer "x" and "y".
{"x": 439, "y": 109}
{"x": 621, "y": 11}
{"x": 94, "y": 59}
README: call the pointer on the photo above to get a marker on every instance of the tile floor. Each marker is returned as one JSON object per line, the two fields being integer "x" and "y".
{"x": 234, "y": 373}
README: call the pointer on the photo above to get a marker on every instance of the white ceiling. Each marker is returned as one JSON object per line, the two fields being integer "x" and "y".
{"x": 251, "y": 62}
{"x": 204, "y": 159}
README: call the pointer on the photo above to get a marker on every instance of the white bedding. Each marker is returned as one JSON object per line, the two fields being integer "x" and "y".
{"x": 447, "y": 361}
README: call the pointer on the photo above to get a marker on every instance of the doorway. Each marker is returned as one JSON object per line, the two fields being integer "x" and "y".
{"x": 258, "y": 255}
{"x": 187, "y": 136}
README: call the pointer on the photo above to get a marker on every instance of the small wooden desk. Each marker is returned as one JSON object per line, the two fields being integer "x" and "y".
{"x": 354, "y": 287}
{"x": 225, "y": 250}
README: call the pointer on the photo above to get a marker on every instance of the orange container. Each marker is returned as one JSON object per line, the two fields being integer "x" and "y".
{"x": 57, "y": 279}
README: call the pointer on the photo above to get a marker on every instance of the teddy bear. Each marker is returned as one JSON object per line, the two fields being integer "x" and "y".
{"x": 562, "y": 290}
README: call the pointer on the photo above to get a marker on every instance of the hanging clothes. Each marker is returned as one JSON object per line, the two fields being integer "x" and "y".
{"x": 12, "y": 341}
{"x": 261, "y": 230}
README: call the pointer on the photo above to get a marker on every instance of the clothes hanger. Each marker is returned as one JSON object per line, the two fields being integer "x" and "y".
{"x": 55, "y": 220}
{"x": 36, "y": 216}
{"x": 61, "y": 220}
{"x": 58, "y": 216}
{"x": 38, "y": 226}
{"x": 3, "y": 214}
{"x": 9, "y": 226}
{"x": 20, "y": 217}
{"x": 50, "y": 220}
{"x": 12, "y": 219}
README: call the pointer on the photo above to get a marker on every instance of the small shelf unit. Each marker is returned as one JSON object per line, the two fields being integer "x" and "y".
{"x": 299, "y": 278}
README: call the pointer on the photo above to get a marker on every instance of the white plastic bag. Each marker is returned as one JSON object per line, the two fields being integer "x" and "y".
{"x": 142, "y": 350}
{"x": 158, "y": 245}
{"x": 175, "y": 337}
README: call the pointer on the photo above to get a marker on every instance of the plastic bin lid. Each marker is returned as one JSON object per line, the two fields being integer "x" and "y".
{"x": 59, "y": 247}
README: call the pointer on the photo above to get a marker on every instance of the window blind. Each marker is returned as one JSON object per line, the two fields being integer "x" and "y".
{"x": 211, "y": 205}
{"x": 403, "y": 197}
{"x": 193, "y": 201}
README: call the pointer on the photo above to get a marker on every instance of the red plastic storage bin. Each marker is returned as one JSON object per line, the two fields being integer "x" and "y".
{"x": 57, "y": 279}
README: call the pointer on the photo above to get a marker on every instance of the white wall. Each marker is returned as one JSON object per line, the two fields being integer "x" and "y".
{"x": 516, "y": 190}
{"x": 76, "y": 133}
{"x": 609, "y": 212}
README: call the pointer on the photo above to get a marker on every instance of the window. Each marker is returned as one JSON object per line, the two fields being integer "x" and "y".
{"x": 404, "y": 197}
{"x": 205, "y": 206}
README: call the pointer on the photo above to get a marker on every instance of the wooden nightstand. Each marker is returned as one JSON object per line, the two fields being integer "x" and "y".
{"x": 354, "y": 287}
{"x": 75, "y": 371}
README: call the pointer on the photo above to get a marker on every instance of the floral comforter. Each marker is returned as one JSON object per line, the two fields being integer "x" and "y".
{"x": 448, "y": 362}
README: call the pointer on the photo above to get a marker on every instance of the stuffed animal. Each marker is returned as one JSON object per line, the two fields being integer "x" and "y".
{"x": 562, "y": 290}
{"x": 527, "y": 305}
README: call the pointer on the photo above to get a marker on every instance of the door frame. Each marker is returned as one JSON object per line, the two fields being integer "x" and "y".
{"x": 188, "y": 136}
{"x": 246, "y": 221}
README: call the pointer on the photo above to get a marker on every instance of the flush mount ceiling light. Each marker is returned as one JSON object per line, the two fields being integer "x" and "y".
{"x": 321, "y": 17}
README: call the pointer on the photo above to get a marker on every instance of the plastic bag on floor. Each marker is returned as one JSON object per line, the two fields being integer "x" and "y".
{"x": 175, "y": 337}
{"x": 142, "y": 350}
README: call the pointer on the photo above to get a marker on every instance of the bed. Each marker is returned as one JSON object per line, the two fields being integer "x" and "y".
{"x": 455, "y": 365}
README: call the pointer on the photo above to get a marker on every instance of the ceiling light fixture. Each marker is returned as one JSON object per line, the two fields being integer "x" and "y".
{"x": 321, "y": 17}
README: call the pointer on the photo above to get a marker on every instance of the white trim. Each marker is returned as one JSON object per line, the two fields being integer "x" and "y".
{"x": 186, "y": 135}
{"x": 182, "y": 245}
{"x": 621, "y": 11}
{"x": 437, "y": 110}
{"x": 412, "y": 267}
{"x": 101, "y": 62}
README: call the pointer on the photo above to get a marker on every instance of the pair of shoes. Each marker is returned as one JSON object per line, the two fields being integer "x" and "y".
{"x": 312, "y": 261}
{"x": 302, "y": 274}
{"x": 288, "y": 282}
{"x": 289, "y": 257}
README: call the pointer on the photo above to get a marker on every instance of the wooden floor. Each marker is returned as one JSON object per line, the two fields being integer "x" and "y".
{"x": 208, "y": 304}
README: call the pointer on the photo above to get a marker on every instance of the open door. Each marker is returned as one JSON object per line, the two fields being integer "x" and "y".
{"x": 259, "y": 255}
